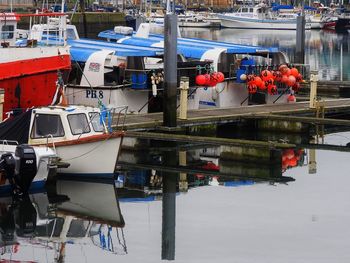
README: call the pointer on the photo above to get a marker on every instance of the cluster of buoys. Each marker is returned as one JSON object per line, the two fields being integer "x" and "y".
{"x": 269, "y": 79}
{"x": 291, "y": 157}
{"x": 210, "y": 79}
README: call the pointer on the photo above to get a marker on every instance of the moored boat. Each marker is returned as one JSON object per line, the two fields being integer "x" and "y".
{"x": 258, "y": 17}
{"x": 29, "y": 70}
{"x": 78, "y": 135}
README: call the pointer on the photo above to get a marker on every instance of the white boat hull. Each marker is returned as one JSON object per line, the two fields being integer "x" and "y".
{"x": 96, "y": 159}
{"x": 193, "y": 24}
{"x": 250, "y": 23}
{"x": 133, "y": 98}
{"x": 82, "y": 205}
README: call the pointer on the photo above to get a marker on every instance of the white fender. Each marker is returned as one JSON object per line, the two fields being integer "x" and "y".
{"x": 95, "y": 68}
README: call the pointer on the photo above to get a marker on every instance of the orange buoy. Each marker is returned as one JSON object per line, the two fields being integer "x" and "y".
{"x": 284, "y": 79}
{"x": 289, "y": 153}
{"x": 291, "y": 81}
{"x": 252, "y": 88}
{"x": 272, "y": 89}
{"x": 265, "y": 75}
{"x": 294, "y": 72}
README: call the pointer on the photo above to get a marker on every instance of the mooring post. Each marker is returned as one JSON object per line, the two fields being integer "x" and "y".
{"x": 300, "y": 45}
{"x": 170, "y": 70}
{"x": 169, "y": 208}
{"x": 312, "y": 159}
{"x": 183, "y": 184}
{"x": 82, "y": 10}
{"x": 184, "y": 87}
{"x": 313, "y": 89}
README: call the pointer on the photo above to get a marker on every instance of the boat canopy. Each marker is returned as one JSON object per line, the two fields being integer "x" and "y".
{"x": 81, "y": 49}
{"x": 188, "y": 47}
{"x": 276, "y": 7}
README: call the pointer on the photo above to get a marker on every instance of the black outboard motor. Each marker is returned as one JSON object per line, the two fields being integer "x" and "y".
{"x": 20, "y": 169}
{"x": 26, "y": 168}
{"x": 24, "y": 217}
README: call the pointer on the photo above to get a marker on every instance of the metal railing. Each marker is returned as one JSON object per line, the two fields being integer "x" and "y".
{"x": 118, "y": 117}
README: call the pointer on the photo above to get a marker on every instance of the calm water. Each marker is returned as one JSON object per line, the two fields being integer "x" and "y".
{"x": 218, "y": 209}
{"x": 327, "y": 52}
{"x": 195, "y": 203}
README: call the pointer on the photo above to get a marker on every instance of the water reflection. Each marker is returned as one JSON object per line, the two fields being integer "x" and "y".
{"x": 48, "y": 226}
{"x": 191, "y": 203}
{"x": 326, "y": 51}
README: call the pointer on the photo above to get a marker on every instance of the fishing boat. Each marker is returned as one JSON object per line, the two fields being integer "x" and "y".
{"x": 28, "y": 70}
{"x": 77, "y": 134}
{"x": 184, "y": 20}
{"x": 258, "y": 17}
{"x": 227, "y": 58}
{"x": 339, "y": 22}
{"x": 127, "y": 69}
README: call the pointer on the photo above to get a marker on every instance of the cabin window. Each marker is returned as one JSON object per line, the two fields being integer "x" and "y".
{"x": 47, "y": 124}
{"x": 71, "y": 34}
{"x": 7, "y": 31}
{"x": 96, "y": 122}
{"x": 78, "y": 123}
{"x": 244, "y": 10}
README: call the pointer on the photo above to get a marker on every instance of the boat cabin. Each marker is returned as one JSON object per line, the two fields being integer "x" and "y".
{"x": 260, "y": 11}
{"x": 57, "y": 124}
{"x": 8, "y": 28}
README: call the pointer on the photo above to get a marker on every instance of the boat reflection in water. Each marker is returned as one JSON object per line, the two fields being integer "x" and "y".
{"x": 45, "y": 227}
{"x": 155, "y": 171}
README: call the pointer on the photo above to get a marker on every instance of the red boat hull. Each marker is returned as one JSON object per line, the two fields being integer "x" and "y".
{"x": 31, "y": 82}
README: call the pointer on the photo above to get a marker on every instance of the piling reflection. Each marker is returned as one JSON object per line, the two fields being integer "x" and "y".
{"x": 69, "y": 214}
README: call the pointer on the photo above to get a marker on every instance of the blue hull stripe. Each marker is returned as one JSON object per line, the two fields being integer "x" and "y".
{"x": 36, "y": 187}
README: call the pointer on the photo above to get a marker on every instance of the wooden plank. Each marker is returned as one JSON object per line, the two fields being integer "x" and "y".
{"x": 208, "y": 140}
{"x": 312, "y": 120}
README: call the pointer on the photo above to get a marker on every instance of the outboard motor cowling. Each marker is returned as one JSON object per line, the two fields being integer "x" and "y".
{"x": 26, "y": 167}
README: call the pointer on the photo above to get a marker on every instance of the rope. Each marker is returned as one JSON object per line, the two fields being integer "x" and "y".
{"x": 89, "y": 150}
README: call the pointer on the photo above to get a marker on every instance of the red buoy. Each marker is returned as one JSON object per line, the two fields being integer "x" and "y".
{"x": 272, "y": 89}
{"x": 291, "y": 98}
{"x": 200, "y": 80}
{"x": 221, "y": 77}
{"x": 207, "y": 79}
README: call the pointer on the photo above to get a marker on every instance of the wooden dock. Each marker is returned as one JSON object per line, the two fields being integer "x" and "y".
{"x": 328, "y": 88}
{"x": 153, "y": 121}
